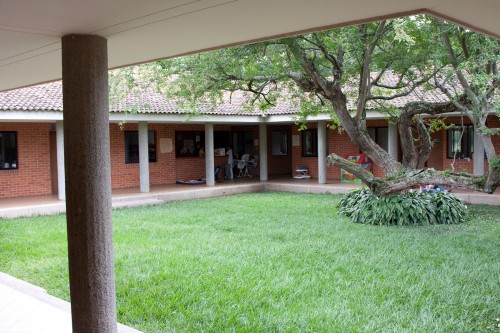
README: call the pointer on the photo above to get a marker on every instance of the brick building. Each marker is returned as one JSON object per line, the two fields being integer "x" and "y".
{"x": 30, "y": 119}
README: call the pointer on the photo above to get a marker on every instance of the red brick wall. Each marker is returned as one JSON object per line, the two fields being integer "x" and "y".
{"x": 167, "y": 169}
{"x": 127, "y": 174}
{"x": 494, "y": 122}
{"x": 338, "y": 143}
{"x": 33, "y": 150}
{"x": 33, "y": 177}
{"x": 436, "y": 158}
{"x": 298, "y": 160}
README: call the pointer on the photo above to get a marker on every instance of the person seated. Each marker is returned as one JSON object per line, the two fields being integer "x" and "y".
{"x": 432, "y": 188}
{"x": 253, "y": 161}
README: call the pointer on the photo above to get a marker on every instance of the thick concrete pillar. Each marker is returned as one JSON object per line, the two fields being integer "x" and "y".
{"x": 88, "y": 183}
{"x": 392, "y": 141}
{"x": 209, "y": 154}
{"x": 263, "y": 151}
{"x": 143, "y": 156}
{"x": 478, "y": 155}
{"x": 322, "y": 151}
{"x": 61, "y": 183}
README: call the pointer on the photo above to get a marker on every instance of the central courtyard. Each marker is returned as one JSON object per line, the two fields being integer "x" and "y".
{"x": 277, "y": 262}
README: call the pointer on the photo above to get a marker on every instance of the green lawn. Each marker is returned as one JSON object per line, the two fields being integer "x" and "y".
{"x": 278, "y": 262}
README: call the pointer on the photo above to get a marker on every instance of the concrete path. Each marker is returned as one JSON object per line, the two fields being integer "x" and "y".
{"x": 25, "y": 308}
{"x": 131, "y": 197}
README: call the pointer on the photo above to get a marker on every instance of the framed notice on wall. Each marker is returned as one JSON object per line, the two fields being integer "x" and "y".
{"x": 166, "y": 145}
{"x": 361, "y": 159}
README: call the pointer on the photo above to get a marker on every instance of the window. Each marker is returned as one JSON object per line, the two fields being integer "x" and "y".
{"x": 242, "y": 143}
{"x": 221, "y": 139}
{"x": 380, "y": 135}
{"x": 310, "y": 143}
{"x": 189, "y": 144}
{"x": 132, "y": 146}
{"x": 8, "y": 150}
{"x": 279, "y": 143}
{"x": 461, "y": 146}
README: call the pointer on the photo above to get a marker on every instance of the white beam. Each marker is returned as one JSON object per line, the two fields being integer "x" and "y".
{"x": 61, "y": 182}
{"x": 263, "y": 152}
{"x": 322, "y": 151}
{"x": 478, "y": 156}
{"x": 143, "y": 156}
{"x": 392, "y": 144}
{"x": 209, "y": 154}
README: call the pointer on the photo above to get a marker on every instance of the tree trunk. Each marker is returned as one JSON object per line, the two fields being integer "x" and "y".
{"x": 407, "y": 179}
{"x": 360, "y": 137}
{"x": 493, "y": 177}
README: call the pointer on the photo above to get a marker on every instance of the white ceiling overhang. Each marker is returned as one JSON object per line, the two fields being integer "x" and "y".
{"x": 141, "y": 31}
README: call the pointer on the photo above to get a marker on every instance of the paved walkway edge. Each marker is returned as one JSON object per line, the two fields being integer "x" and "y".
{"x": 157, "y": 198}
{"x": 42, "y": 295}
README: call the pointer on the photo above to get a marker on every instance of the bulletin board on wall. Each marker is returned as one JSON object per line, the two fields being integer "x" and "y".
{"x": 361, "y": 159}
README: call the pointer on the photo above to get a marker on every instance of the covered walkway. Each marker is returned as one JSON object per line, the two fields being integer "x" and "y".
{"x": 132, "y": 197}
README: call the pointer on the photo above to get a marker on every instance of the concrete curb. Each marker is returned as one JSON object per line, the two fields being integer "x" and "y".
{"x": 157, "y": 198}
{"x": 42, "y": 295}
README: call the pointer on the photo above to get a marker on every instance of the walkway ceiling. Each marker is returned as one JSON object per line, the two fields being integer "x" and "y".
{"x": 141, "y": 31}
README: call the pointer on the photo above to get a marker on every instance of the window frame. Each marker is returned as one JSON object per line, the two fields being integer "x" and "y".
{"x": 152, "y": 156}
{"x": 193, "y": 134}
{"x": 282, "y": 135}
{"x": 377, "y": 135}
{"x": 466, "y": 145}
{"x": 314, "y": 133}
{"x": 16, "y": 148}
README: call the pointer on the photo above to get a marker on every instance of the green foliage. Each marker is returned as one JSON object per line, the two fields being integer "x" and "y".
{"x": 437, "y": 124}
{"x": 420, "y": 208}
{"x": 277, "y": 262}
{"x": 495, "y": 162}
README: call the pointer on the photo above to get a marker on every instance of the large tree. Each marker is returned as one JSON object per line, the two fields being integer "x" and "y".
{"x": 348, "y": 71}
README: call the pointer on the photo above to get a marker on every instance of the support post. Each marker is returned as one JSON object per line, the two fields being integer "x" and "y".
{"x": 209, "y": 154}
{"x": 143, "y": 156}
{"x": 392, "y": 141}
{"x": 88, "y": 183}
{"x": 322, "y": 151}
{"x": 61, "y": 183}
{"x": 478, "y": 155}
{"x": 263, "y": 151}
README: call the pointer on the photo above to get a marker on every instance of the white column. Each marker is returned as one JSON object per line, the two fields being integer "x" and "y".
{"x": 478, "y": 156}
{"x": 263, "y": 151}
{"x": 143, "y": 156}
{"x": 209, "y": 154}
{"x": 88, "y": 184}
{"x": 392, "y": 141}
{"x": 322, "y": 152}
{"x": 61, "y": 182}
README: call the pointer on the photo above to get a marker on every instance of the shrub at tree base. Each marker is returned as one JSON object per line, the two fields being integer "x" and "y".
{"x": 362, "y": 206}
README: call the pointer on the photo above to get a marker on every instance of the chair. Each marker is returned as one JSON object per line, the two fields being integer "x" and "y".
{"x": 252, "y": 164}
{"x": 216, "y": 173}
{"x": 302, "y": 173}
{"x": 242, "y": 166}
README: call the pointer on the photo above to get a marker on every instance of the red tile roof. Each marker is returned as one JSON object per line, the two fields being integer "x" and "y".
{"x": 48, "y": 97}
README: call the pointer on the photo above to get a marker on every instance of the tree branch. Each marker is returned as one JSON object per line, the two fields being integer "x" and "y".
{"x": 365, "y": 75}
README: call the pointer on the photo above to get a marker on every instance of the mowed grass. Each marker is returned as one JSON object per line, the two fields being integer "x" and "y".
{"x": 278, "y": 262}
